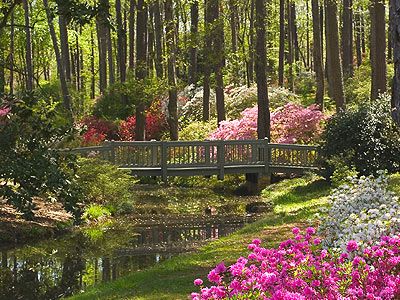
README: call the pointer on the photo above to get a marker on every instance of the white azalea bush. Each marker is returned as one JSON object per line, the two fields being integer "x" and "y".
{"x": 192, "y": 110}
{"x": 362, "y": 211}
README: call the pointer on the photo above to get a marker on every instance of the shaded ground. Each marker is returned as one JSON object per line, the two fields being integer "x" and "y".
{"x": 50, "y": 220}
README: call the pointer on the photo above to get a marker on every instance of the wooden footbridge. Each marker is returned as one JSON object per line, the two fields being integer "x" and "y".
{"x": 206, "y": 158}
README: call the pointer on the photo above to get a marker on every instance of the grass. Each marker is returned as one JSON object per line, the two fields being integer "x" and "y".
{"x": 296, "y": 202}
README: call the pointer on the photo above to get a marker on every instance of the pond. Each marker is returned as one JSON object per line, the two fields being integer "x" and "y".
{"x": 61, "y": 267}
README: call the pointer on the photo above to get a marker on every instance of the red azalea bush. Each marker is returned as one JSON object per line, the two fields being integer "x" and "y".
{"x": 301, "y": 269}
{"x": 98, "y": 130}
{"x": 291, "y": 123}
{"x": 156, "y": 124}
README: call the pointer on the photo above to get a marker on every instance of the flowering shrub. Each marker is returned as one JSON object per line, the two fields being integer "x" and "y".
{"x": 362, "y": 211}
{"x": 300, "y": 269}
{"x": 197, "y": 131}
{"x": 291, "y": 123}
{"x": 193, "y": 108}
{"x": 156, "y": 124}
{"x": 242, "y": 97}
{"x": 98, "y": 130}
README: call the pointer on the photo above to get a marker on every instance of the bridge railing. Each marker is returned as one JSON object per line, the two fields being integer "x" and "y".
{"x": 202, "y": 155}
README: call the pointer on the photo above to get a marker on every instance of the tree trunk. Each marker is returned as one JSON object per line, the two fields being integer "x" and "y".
{"x": 194, "y": 31}
{"x": 358, "y": 38}
{"x": 121, "y": 40}
{"x": 150, "y": 39}
{"x": 347, "y": 38}
{"x": 141, "y": 68}
{"x": 378, "y": 48}
{"x": 295, "y": 43}
{"x": 308, "y": 34}
{"x": 281, "y": 67}
{"x": 395, "y": 26}
{"x": 132, "y": 5}
{"x": 102, "y": 46}
{"x": 60, "y": 67}
{"x": 207, "y": 60}
{"x": 28, "y": 52}
{"x": 335, "y": 74}
{"x": 158, "y": 28}
{"x": 218, "y": 50}
{"x": 171, "y": 50}
{"x": 290, "y": 46}
{"x": 250, "y": 70}
{"x": 12, "y": 46}
{"x": 263, "y": 119}
{"x": 64, "y": 44}
{"x": 93, "y": 81}
{"x": 317, "y": 54}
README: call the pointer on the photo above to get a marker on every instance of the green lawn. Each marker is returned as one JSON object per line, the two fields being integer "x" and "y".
{"x": 296, "y": 202}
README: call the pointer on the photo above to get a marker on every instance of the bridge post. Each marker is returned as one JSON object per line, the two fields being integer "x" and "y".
{"x": 221, "y": 159}
{"x": 164, "y": 161}
{"x": 267, "y": 157}
{"x": 110, "y": 144}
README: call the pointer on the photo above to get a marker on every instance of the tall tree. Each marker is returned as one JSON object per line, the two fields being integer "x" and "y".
{"x": 317, "y": 54}
{"x": 12, "y": 47}
{"x": 334, "y": 66}
{"x": 263, "y": 119}
{"x": 121, "y": 40}
{"x": 219, "y": 53}
{"x": 28, "y": 51}
{"x": 158, "y": 28}
{"x": 347, "y": 38}
{"x": 207, "y": 59}
{"x": 395, "y": 27}
{"x": 64, "y": 44}
{"x": 290, "y": 56}
{"x": 141, "y": 67}
{"x": 378, "y": 48}
{"x": 132, "y": 5}
{"x": 281, "y": 66}
{"x": 172, "y": 90}
{"x": 194, "y": 30}
{"x": 60, "y": 67}
{"x": 357, "y": 27}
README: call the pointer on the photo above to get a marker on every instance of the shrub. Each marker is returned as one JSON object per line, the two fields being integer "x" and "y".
{"x": 103, "y": 183}
{"x": 289, "y": 124}
{"x": 240, "y": 98}
{"x": 366, "y": 137}
{"x": 97, "y": 131}
{"x": 300, "y": 269}
{"x": 156, "y": 124}
{"x": 193, "y": 109}
{"x": 95, "y": 212}
{"x": 362, "y": 211}
{"x": 30, "y": 167}
{"x": 197, "y": 131}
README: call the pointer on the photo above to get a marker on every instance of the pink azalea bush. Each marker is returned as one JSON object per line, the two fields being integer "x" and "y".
{"x": 291, "y": 123}
{"x": 301, "y": 269}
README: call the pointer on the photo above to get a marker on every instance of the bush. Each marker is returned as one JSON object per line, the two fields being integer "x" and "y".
{"x": 156, "y": 124}
{"x": 291, "y": 123}
{"x": 97, "y": 130}
{"x": 362, "y": 211}
{"x": 95, "y": 212}
{"x": 366, "y": 137}
{"x": 30, "y": 167}
{"x": 300, "y": 269}
{"x": 193, "y": 109}
{"x": 197, "y": 131}
{"x": 240, "y": 98}
{"x": 103, "y": 183}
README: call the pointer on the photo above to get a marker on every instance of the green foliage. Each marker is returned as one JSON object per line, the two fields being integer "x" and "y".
{"x": 103, "y": 183}
{"x": 365, "y": 137}
{"x": 358, "y": 87}
{"x": 342, "y": 173}
{"x": 121, "y": 99}
{"x": 29, "y": 165}
{"x": 197, "y": 131}
{"x": 95, "y": 212}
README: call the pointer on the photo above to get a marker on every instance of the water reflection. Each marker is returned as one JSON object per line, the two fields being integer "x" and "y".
{"x": 58, "y": 268}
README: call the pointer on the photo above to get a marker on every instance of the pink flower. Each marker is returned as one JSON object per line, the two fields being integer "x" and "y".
{"x": 198, "y": 282}
{"x": 352, "y": 246}
{"x": 4, "y": 111}
{"x": 295, "y": 231}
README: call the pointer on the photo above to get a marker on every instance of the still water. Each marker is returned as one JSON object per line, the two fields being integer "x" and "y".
{"x": 58, "y": 268}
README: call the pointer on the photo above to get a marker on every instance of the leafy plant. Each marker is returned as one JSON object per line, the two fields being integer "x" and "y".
{"x": 30, "y": 167}
{"x": 366, "y": 138}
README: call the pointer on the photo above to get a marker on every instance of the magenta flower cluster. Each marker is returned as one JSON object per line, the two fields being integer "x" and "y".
{"x": 290, "y": 124}
{"x": 301, "y": 269}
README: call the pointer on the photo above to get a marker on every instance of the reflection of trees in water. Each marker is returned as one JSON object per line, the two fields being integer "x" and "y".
{"x": 41, "y": 273}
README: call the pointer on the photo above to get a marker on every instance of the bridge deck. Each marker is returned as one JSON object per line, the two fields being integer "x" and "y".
{"x": 204, "y": 158}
